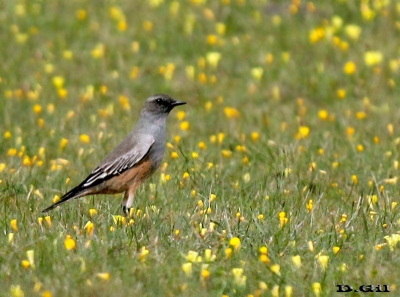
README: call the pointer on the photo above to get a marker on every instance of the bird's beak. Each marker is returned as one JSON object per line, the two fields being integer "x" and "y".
{"x": 176, "y": 103}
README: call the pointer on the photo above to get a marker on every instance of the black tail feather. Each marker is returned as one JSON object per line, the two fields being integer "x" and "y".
{"x": 74, "y": 193}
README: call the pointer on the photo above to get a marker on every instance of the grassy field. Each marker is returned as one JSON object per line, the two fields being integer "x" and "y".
{"x": 281, "y": 172}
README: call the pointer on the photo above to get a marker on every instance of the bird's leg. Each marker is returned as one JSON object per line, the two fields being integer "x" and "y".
{"x": 125, "y": 210}
{"x": 127, "y": 201}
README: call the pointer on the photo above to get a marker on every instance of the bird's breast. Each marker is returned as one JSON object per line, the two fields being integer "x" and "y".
{"x": 156, "y": 154}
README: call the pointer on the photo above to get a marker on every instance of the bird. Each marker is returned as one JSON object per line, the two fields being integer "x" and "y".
{"x": 134, "y": 160}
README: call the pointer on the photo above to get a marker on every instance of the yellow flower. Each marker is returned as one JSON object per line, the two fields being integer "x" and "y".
{"x": 48, "y": 220}
{"x": 69, "y": 243}
{"x": 263, "y": 250}
{"x": 184, "y": 126}
{"x": 193, "y": 256}
{"x": 226, "y": 153}
{"x": 177, "y": 138}
{"x": 10, "y": 153}
{"x": 323, "y": 114}
{"x": 282, "y": 218}
{"x": 7, "y": 135}
{"x": 379, "y": 247}
{"x": 31, "y": 257}
{"x": 212, "y": 197}
{"x": 354, "y": 179}
{"x": 119, "y": 220}
{"x": 316, "y": 34}
{"x": 187, "y": 268}
{"x": 367, "y": 13}
{"x": 276, "y": 268}
{"x": 81, "y": 14}
{"x": 303, "y": 132}
{"x": 89, "y": 228}
{"x": 190, "y": 72}
{"x": 68, "y": 55}
{"x": 180, "y": 115}
{"x": 359, "y": 148}
{"x": 213, "y": 59}
{"x": 25, "y": 264}
{"x": 228, "y": 253}
{"x": 143, "y": 253}
{"x": 122, "y": 25}
{"x": 316, "y": 288}
{"x": 208, "y": 255}
{"x": 147, "y": 26}
{"x": 254, "y": 136}
{"x": 288, "y": 291}
{"x": 310, "y": 246}
{"x": 323, "y": 262}
{"x": 37, "y": 108}
{"x": 84, "y": 138}
{"x": 202, "y": 145}
{"x": 390, "y": 129}
{"x": 337, "y": 22}
{"x": 392, "y": 240}
{"x": 62, "y": 93}
{"x": 220, "y": 28}
{"x": 296, "y": 260}
{"x": 275, "y": 291}
{"x": 63, "y": 143}
{"x": 205, "y": 274}
{"x": 235, "y": 243}
{"x": 134, "y": 72}
{"x": 14, "y": 225}
{"x": 16, "y": 291}
{"x": 335, "y": 250}
{"x": 373, "y": 58}
{"x": 352, "y": 31}
{"x": 98, "y": 51}
{"x": 231, "y": 112}
{"x": 269, "y": 58}
{"x": 47, "y": 294}
{"x": 350, "y": 131}
{"x": 309, "y": 205}
{"x": 92, "y": 212}
{"x": 349, "y": 68}
{"x": 360, "y": 115}
{"x": 257, "y": 73}
{"x": 238, "y": 276}
{"x": 103, "y": 275}
{"x": 208, "y": 105}
{"x": 341, "y": 93}
{"x": 246, "y": 177}
{"x": 124, "y": 102}
{"x": 212, "y": 39}
{"x": 21, "y": 37}
{"x": 58, "y": 82}
{"x": 264, "y": 258}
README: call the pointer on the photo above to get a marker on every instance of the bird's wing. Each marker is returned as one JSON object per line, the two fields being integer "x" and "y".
{"x": 125, "y": 156}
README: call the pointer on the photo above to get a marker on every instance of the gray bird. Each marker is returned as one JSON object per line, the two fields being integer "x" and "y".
{"x": 134, "y": 160}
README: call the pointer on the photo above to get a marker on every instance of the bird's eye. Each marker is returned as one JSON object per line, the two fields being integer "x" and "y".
{"x": 159, "y": 101}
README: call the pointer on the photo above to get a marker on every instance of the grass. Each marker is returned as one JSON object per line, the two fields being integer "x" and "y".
{"x": 281, "y": 173}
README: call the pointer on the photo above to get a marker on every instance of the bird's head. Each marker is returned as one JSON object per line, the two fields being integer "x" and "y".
{"x": 161, "y": 104}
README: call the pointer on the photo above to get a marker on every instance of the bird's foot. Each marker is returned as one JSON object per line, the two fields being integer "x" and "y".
{"x": 126, "y": 210}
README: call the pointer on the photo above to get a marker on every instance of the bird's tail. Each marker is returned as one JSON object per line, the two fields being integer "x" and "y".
{"x": 73, "y": 194}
